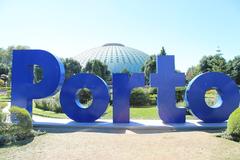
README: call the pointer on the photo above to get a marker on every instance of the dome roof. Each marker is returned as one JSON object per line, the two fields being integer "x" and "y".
{"x": 116, "y": 56}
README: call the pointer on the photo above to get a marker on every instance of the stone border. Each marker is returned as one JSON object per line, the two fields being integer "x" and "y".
{"x": 193, "y": 125}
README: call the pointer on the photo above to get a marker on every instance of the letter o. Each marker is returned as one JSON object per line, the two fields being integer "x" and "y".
{"x": 226, "y": 87}
{"x": 100, "y": 95}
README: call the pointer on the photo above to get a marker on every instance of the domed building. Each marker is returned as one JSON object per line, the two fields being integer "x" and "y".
{"x": 116, "y": 56}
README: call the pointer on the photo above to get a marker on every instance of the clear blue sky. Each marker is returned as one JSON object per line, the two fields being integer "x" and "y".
{"x": 187, "y": 29}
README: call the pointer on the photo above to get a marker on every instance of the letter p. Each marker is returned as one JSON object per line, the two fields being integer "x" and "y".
{"x": 23, "y": 88}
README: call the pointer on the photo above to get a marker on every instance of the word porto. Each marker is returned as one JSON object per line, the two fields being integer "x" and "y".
{"x": 166, "y": 79}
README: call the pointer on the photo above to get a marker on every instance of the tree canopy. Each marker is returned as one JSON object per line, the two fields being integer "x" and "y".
{"x": 98, "y": 68}
{"x": 71, "y": 67}
{"x": 233, "y": 69}
{"x": 213, "y": 63}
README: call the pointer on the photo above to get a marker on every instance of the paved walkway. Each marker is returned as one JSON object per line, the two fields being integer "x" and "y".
{"x": 134, "y": 124}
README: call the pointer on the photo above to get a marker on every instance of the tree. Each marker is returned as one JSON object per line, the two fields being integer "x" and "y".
{"x": 98, "y": 68}
{"x": 6, "y": 58}
{"x": 162, "y": 52}
{"x": 125, "y": 71}
{"x": 6, "y": 54}
{"x": 38, "y": 74}
{"x": 71, "y": 67}
{"x": 233, "y": 69}
{"x": 192, "y": 72}
{"x": 215, "y": 63}
{"x": 4, "y": 69}
{"x": 149, "y": 67}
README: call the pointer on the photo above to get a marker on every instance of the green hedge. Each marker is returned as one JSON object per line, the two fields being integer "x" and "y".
{"x": 21, "y": 129}
{"x": 22, "y": 117}
{"x": 49, "y": 104}
{"x": 233, "y": 125}
{"x": 139, "y": 97}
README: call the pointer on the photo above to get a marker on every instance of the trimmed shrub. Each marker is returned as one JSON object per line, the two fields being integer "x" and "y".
{"x": 139, "y": 97}
{"x": 49, "y": 104}
{"x": 152, "y": 99}
{"x": 233, "y": 125}
{"x": 22, "y": 116}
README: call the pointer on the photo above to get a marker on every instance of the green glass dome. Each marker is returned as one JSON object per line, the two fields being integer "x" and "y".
{"x": 116, "y": 56}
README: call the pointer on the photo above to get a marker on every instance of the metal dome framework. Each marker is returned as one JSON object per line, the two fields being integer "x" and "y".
{"x": 116, "y": 56}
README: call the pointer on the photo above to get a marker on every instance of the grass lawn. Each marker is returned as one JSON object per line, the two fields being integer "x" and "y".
{"x": 135, "y": 113}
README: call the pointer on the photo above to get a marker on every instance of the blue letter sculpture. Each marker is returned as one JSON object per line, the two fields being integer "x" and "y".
{"x": 23, "y": 88}
{"x": 226, "y": 87}
{"x": 70, "y": 102}
{"x": 122, "y": 87}
{"x": 166, "y": 79}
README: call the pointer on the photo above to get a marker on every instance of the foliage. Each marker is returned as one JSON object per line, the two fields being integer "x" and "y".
{"x": 3, "y": 105}
{"x": 85, "y": 95}
{"x": 215, "y": 63}
{"x": 1, "y": 83}
{"x": 192, "y": 72}
{"x": 4, "y": 77}
{"x": 2, "y": 117}
{"x": 38, "y": 74}
{"x": 6, "y": 54}
{"x": 4, "y": 69}
{"x": 49, "y": 104}
{"x": 163, "y": 52}
{"x": 12, "y": 133}
{"x": 125, "y": 71}
{"x": 233, "y": 69}
{"x": 6, "y": 58}
{"x": 50, "y": 114}
{"x": 71, "y": 67}
{"x": 233, "y": 125}
{"x": 139, "y": 97}
{"x": 22, "y": 117}
{"x": 98, "y": 68}
{"x": 149, "y": 67}
{"x": 180, "y": 91}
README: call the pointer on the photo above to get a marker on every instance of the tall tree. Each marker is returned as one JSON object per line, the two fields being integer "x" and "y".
{"x": 4, "y": 69}
{"x": 98, "y": 68}
{"x": 192, "y": 72}
{"x": 213, "y": 63}
{"x": 149, "y": 67}
{"x": 233, "y": 69}
{"x": 71, "y": 67}
{"x": 125, "y": 71}
{"x": 162, "y": 52}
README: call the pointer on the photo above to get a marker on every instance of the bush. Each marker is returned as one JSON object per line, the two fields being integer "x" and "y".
{"x": 85, "y": 96}
{"x": 3, "y": 105}
{"x": 2, "y": 117}
{"x": 1, "y": 83}
{"x": 49, "y": 104}
{"x": 22, "y": 130}
{"x": 180, "y": 93}
{"x": 233, "y": 125}
{"x": 139, "y": 97}
{"x": 152, "y": 99}
{"x": 22, "y": 117}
